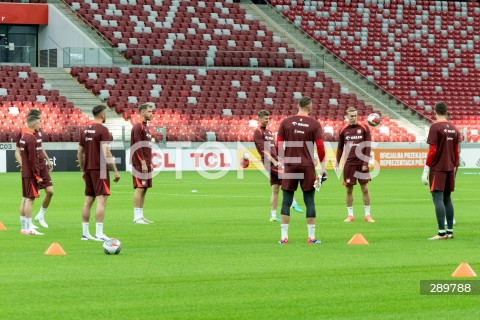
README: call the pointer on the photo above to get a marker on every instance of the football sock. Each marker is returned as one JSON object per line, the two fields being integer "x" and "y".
{"x": 23, "y": 222}
{"x": 287, "y": 202}
{"x": 85, "y": 229}
{"x": 28, "y": 224}
{"x": 273, "y": 214}
{"x": 137, "y": 213}
{"x": 449, "y": 231}
{"x": 284, "y": 228}
{"x": 350, "y": 211}
{"x": 441, "y": 232}
{"x": 42, "y": 211}
{"x": 99, "y": 229}
{"x": 367, "y": 210}
{"x": 439, "y": 209}
{"x": 449, "y": 212}
{"x": 311, "y": 231}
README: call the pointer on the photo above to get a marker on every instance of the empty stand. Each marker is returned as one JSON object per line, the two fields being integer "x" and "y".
{"x": 419, "y": 51}
{"x": 22, "y": 90}
{"x": 223, "y": 100}
{"x": 187, "y": 33}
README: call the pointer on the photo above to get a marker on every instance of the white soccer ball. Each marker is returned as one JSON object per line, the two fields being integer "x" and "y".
{"x": 112, "y": 246}
{"x": 374, "y": 119}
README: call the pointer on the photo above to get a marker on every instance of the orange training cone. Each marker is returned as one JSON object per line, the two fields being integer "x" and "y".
{"x": 2, "y": 226}
{"x": 464, "y": 270}
{"x": 55, "y": 249}
{"x": 358, "y": 239}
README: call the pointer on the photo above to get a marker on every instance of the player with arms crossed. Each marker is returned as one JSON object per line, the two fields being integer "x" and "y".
{"x": 355, "y": 137}
{"x": 441, "y": 168}
{"x": 30, "y": 174}
{"x": 141, "y": 162}
{"x": 265, "y": 144}
{"x": 296, "y": 140}
{"x": 93, "y": 156}
{"x": 44, "y": 168}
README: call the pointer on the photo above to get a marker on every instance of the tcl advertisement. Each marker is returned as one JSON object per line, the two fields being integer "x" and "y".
{"x": 210, "y": 157}
{"x": 23, "y": 13}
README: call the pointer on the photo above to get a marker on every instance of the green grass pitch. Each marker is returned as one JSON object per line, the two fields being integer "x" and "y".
{"x": 213, "y": 254}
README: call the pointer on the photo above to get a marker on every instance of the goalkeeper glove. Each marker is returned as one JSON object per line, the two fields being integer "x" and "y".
{"x": 426, "y": 171}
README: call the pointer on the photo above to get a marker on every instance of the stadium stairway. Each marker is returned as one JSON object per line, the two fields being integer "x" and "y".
{"x": 66, "y": 10}
{"x": 337, "y": 70}
{"x": 83, "y": 99}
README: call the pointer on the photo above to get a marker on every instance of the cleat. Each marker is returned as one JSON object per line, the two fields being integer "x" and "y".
{"x": 313, "y": 241}
{"x": 349, "y": 219}
{"x": 369, "y": 219}
{"x": 439, "y": 237}
{"x": 449, "y": 235}
{"x": 101, "y": 238}
{"x": 41, "y": 221}
{"x": 297, "y": 208}
{"x": 140, "y": 221}
{"x": 24, "y": 231}
{"x": 87, "y": 237}
{"x": 283, "y": 241}
{"x": 34, "y": 232}
{"x": 147, "y": 220}
{"x": 275, "y": 219}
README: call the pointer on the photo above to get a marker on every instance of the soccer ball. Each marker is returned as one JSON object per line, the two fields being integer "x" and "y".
{"x": 374, "y": 119}
{"x": 245, "y": 161}
{"x": 112, "y": 246}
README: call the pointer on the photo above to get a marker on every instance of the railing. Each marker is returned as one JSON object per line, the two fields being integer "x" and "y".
{"x": 83, "y": 56}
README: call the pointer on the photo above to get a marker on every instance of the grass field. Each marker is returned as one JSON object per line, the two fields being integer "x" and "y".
{"x": 213, "y": 254}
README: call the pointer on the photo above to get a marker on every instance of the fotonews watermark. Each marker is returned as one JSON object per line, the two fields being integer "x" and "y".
{"x": 213, "y": 160}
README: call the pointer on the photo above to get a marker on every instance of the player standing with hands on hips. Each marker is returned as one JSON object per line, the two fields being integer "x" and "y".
{"x": 297, "y": 137}
{"x": 355, "y": 137}
{"x": 441, "y": 168}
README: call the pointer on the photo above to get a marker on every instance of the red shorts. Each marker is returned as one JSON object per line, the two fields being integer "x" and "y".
{"x": 138, "y": 182}
{"x": 294, "y": 174}
{"x": 354, "y": 172}
{"x": 29, "y": 187}
{"x": 45, "y": 175}
{"x": 274, "y": 179}
{"x": 94, "y": 186}
{"x": 442, "y": 181}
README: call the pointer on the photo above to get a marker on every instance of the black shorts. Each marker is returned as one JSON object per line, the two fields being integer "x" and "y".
{"x": 45, "y": 175}
{"x": 293, "y": 175}
{"x": 29, "y": 187}
{"x": 94, "y": 186}
{"x": 354, "y": 172}
{"x": 274, "y": 179}
{"x": 442, "y": 181}
{"x": 138, "y": 182}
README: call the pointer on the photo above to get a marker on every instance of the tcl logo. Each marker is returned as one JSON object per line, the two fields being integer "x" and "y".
{"x": 209, "y": 159}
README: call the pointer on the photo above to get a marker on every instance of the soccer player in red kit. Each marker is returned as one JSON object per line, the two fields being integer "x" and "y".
{"x": 44, "y": 168}
{"x": 30, "y": 174}
{"x": 296, "y": 140}
{"x": 355, "y": 137}
{"x": 141, "y": 158}
{"x": 265, "y": 144}
{"x": 93, "y": 155}
{"x": 441, "y": 168}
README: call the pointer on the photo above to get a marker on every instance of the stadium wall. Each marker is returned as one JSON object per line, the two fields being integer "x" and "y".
{"x": 227, "y": 156}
